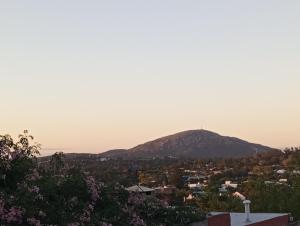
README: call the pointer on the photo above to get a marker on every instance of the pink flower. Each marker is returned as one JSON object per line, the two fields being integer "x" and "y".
{"x": 92, "y": 188}
{"x": 33, "y": 221}
{"x": 35, "y": 189}
{"x": 14, "y": 215}
{"x": 137, "y": 221}
{"x": 136, "y": 199}
{"x": 2, "y": 210}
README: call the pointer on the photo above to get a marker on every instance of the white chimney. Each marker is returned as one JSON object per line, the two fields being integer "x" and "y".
{"x": 247, "y": 209}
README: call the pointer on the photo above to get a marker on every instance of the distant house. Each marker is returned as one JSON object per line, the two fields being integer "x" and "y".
{"x": 199, "y": 193}
{"x": 190, "y": 171}
{"x": 222, "y": 190}
{"x": 140, "y": 189}
{"x": 283, "y": 180}
{"x": 229, "y": 184}
{"x": 281, "y": 171}
{"x": 103, "y": 159}
{"x": 269, "y": 182}
{"x": 194, "y": 186}
{"x": 196, "y": 178}
{"x": 296, "y": 172}
{"x": 216, "y": 172}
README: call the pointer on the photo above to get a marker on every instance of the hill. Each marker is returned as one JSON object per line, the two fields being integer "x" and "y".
{"x": 192, "y": 144}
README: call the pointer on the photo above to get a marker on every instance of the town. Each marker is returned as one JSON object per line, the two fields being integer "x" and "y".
{"x": 270, "y": 180}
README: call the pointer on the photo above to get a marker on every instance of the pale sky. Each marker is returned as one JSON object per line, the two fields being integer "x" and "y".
{"x": 88, "y": 76}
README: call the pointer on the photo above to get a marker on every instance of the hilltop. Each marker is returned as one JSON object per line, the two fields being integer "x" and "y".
{"x": 192, "y": 144}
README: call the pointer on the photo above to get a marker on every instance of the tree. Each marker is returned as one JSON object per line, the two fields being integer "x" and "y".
{"x": 57, "y": 163}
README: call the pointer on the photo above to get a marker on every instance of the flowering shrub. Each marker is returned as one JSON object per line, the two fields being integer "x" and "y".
{"x": 54, "y": 194}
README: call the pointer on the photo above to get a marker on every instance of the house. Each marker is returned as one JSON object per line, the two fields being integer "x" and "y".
{"x": 247, "y": 218}
{"x": 196, "y": 178}
{"x": 281, "y": 171}
{"x": 269, "y": 182}
{"x": 216, "y": 172}
{"x": 296, "y": 172}
{"x": 199, "y": 193}
{"x": 255, "y": 219}
{"x": 103, "y": 159}
{"x": 194, "y": 186}
{"x": 140, "y": 189}
{"x": 222, "y": 190}
{"x": 229, "y": 184}
{"x": 283, "y": 180}
{"x": 190, "y": 171}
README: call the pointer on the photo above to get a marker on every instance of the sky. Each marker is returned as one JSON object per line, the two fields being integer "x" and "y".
{"x": 89, "y": 76}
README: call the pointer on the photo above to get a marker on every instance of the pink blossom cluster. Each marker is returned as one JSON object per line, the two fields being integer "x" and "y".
{"x": 35, "y": 189}
{"x": 2, "y": 210}
{"x": 92, "y": 188}
{"x": 86, "y": 216}
{"x": 11, "y": 215}
{"x": 136, "y": 199}
{"x": 148, "y": 204}
{"x": 137, "y": 221}
{"x": 33, "y": 221}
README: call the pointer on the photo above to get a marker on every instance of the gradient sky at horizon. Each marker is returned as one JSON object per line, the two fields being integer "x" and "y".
{"x": 88, "y": 76}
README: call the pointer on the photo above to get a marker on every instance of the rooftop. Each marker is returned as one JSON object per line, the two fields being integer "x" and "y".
{"x": 238, "y": 219}
{"x": 138, "y": 188}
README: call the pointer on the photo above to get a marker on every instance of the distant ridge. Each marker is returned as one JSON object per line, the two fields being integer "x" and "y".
{"x": 191, "y": 144}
